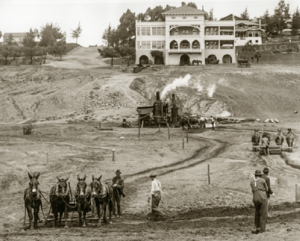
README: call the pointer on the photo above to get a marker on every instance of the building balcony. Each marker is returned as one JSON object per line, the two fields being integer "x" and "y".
{"x": 185, "y": 51}
{"x": 183, "y": 36}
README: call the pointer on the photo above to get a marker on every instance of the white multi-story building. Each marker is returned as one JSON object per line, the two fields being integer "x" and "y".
{"x": 184, "y": 36}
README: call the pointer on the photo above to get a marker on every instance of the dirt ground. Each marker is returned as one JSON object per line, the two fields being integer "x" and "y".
{"x": 65, "y": 143}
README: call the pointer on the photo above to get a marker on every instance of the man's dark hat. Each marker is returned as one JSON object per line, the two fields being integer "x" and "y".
{"x": 257, "y": 173}
{"x": 266, "y": 170}
{"x": 118, "y": 171}
{"x": 152, "y": 176}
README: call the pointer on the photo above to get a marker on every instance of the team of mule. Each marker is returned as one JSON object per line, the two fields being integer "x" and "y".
{"x": 103, "y": 194}
{"x": 257, "y": 138}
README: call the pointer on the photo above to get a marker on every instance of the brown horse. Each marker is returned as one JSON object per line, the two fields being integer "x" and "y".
{"x": 59, "y": 197}
{"x": 290, "y": 137}
{"x": 32, "y": 199}
{"x": 83, "y": 198}
{"x": 279, "y": 138}
{"x": 103, "y": 196}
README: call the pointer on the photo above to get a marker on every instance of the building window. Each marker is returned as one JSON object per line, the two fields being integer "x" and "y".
{"x": 256, "y": 41}
{"x": 195, "y": 17}
{"x": 153, "y": 44}
{"x": 250, "y": 34}
{"x": 158, "y": 44}
{"x": 226, "y": 44}
{"x": 146, "y": 31}
{"x": 158, "y": 31}
{"x": 154, "y": 31}
{"x": 211, "y": 31}
{"x": 145, "y": 44}
{"x": 138, "y": 31}
{"x": 138, "y": 45}
{"x": 173, "y": 17}
{"x": 211, "y": 44}
{"x": 256, "y": 35}
{"x": 184, "y": 17}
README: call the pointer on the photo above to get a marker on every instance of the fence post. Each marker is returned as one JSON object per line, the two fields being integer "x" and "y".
{"x": 208, "y": 174}
{"x": 113, "y": 155}
{"x": 47, "y": 157}
{"x": 100, "y": 126}
{"x": 182, "y": 143}
{"x": 168, "y": 131}
{"x": 187, "y": 137}
{"x": 139, "y": 122}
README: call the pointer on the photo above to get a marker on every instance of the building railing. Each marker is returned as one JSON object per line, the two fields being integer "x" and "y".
{"x": 185, "y": 36}
{"x": 184, "y": 50}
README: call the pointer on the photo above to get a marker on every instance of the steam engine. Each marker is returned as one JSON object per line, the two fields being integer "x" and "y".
{"x": 158, "y": 113}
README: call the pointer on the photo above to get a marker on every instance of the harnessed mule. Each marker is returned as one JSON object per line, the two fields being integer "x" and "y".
{"x": 59, "y": 197}
{"x": 83, "y": 198}
{"x": 32, "y": 200}
{"x": 255, "y": 139}
{"x": 103, "y": 196}
{"x": 290, "y": 137}
{"x": 279, "y": 138}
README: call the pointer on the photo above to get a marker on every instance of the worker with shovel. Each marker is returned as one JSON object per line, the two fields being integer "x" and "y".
{"x": 259, "y": 190}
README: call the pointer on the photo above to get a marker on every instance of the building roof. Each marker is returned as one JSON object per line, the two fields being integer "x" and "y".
{"x": 248, "y": 29}
{"x": 287, "y": 30}
{"x": 15, "y": 35}
{"x": 185, "y": 10}
{"x": 246, "y": 22}
{"x": 230, "y": 17}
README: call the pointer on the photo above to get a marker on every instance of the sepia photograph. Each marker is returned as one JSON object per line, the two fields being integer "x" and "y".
{"x": 136, "y": 120}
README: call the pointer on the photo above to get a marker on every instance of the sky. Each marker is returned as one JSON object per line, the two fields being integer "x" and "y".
{"x": 95, "y": 15}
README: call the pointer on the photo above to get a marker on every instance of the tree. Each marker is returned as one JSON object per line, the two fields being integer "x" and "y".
{"x": 108, "y": 36}
{"x": 50, "y": 34}
{"x": 76, "y": 32}
{"x": 296, "y": 22}
{"x": 127, "y": 53}
{"x": 60, "y": 47}
{"x": 15, "y": 52}
{"x": 5, "y": 52}
{"x": 281, "y": 13}
{"x": 211, "y": 15}
{"x": 10, "y": 40}
{"x": 110, "y": 52}
{"x": 192, "y": 5}
{"x": 245, "y": 14}
{"x": 29, "y": 43}
{"x": 126, "y": 28}
{"x": 0, "y": 34}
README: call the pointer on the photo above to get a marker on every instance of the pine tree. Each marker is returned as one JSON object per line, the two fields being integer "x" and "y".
{"x": 245, "y": 14}
{"x": 296, "y": 22}
{"x": 76, "y": 32}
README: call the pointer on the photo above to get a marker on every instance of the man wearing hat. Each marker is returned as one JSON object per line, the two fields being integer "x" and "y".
{"x": 265, "y": 144}
{"x": 267, "y": 179}
{"x": 118, "y": 184}
{"x": 155, "y": 195}
{"x": 259, "y": 190}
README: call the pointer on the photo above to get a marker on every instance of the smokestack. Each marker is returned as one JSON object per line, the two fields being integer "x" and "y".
{"x": 157, "y": 95}
{"x": 202, "y": 8}
{"x": 259, "y": 22}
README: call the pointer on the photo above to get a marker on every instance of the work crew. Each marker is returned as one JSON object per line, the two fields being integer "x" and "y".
{"x": 118, "y": 182}
{"x": 265, "y": 145}
{"x": 259, "y": 189}
{"x": 212, "y": 123}
{"x": 267, "y": 179}
{"x": 155, "y": 195}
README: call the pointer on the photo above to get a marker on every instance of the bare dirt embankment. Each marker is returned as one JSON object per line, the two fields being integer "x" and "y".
{"x": 66, "y": 103}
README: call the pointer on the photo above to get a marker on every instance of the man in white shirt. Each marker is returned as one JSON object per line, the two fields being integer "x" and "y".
{"x": 155, "y": 194}
{"x": 212, "y": 123}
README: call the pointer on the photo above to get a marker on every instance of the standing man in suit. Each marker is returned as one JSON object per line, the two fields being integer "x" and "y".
{"x": 118, "y": 186}
{"x": 267, "y": 179}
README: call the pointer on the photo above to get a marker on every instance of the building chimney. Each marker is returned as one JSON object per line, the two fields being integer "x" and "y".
{"x": 202, "y": 8}
{"x": 183, "y": 4}
{"x": 157, "y": 95}
{"x": 259, "y": 22}
{"x": 232, "y": 16}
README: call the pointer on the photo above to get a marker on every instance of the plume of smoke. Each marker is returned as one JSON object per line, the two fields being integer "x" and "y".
{"x": 225, "y": 113}
{"x": 211, "y": 90}
{"x": 176, "y": 83}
